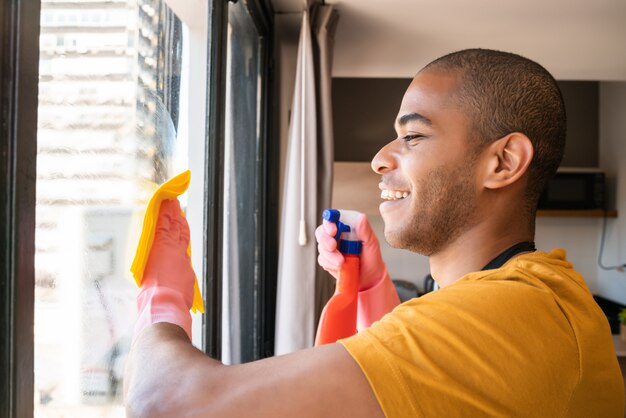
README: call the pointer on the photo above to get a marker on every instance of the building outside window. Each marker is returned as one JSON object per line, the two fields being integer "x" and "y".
{"x": 109, "y": 133}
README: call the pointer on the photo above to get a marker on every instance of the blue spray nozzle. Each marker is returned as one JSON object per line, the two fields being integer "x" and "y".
{"x": 331, "y": 215}
{"x": 346, "y": 246}
{"x": 350, "y": 247}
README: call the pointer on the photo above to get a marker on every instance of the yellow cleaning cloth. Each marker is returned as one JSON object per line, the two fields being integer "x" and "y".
{"x": 169, "y": 190}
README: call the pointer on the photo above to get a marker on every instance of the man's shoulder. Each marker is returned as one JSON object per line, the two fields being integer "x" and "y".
{"x": 510, "y": 295}
{"x": 539, "y": 274}
{"x": 536, "y": 289}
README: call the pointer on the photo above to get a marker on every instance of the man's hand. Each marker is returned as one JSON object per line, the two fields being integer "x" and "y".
{"x": 166, "y": 292}
{"x": 373, "y": 268}
{"x": 168, "y": 265}
{"x": 377, "y": 294}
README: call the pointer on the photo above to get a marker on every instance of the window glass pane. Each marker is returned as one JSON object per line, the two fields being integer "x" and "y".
{"x": 242, "y": 157}
{"x": 113, "y": 124}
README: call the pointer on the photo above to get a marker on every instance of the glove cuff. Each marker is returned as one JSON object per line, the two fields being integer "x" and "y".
{"x": 376, "y": 301}
{"x": 161, "y": 304}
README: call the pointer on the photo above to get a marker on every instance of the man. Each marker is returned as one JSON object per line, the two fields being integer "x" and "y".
{"x": 511, "y": 332}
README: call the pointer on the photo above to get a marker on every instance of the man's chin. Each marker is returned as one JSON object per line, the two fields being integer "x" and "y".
{"x": 392, "y": 238}
{"x": 397, "y": 239}
{"x": 402, "y": 241}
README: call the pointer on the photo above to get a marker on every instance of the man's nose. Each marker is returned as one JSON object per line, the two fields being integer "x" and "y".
{"x": 384, "y": 160}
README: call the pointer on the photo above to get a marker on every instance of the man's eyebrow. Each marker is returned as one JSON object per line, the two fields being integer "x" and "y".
{"x": 409, "y": 117}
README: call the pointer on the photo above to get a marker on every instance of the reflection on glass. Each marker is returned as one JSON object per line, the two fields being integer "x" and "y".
{"x": 108, "y": 114}
{"x": 241, "y": 188}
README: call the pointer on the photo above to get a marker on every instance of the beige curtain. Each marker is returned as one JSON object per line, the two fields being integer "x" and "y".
{"x": 324, "y": 21}
{"x": 307, "y": 183}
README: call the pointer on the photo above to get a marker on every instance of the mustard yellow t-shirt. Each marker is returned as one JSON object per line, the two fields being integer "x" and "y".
{"x": 526, "y": 339}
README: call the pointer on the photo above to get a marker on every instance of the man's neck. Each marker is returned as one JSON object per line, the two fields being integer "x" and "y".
{"x": 474, "y": 250}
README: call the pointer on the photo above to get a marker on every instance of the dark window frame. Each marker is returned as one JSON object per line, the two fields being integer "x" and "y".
{"x": 19, "y": 49}
{"x": 267, "y": 242}
{"x": 213, "y": 177}
{"x": 262, "y": 14}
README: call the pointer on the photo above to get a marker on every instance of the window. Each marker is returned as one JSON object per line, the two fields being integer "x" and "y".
{"x": 124, "y": 104}
{"x": 110, "y": 130}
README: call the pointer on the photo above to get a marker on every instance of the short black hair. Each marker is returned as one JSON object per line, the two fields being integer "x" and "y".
{"x": 504, "y": 93}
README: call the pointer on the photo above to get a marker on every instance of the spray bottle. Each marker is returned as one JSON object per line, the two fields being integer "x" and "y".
{"x": 338, "y": 319}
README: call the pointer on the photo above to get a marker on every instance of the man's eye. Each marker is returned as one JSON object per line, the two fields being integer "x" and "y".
{"x": 412, "y": 137}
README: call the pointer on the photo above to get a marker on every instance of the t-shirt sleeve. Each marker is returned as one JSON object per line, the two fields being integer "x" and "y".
{"x": 476, "y": 348}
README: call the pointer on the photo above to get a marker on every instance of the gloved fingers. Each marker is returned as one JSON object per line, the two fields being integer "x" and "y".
{"x": 164, "y": 221}
{"x": 175, "y": 226}
{"x": 325, "y": 242}
{"x": 185, "y": 234}
{"x": 172, "y": 227}
{"x": 168, "y": 265}
{"x": 180, "y": 226}
{"x": 330, "y": 259}
{"x": 330, "y": 262}
{"x": 174, "y": 206}
{"x": 365, "y": 232}
{"x": 330, "y": 228}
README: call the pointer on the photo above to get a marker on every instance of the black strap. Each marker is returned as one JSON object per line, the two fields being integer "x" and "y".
{"x": 507, "y": 254}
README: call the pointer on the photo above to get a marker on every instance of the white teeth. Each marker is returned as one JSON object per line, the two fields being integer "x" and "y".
{"x": 393, "y": 194}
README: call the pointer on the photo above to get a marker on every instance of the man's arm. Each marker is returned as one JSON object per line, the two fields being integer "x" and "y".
{"x": 166, "y": 376}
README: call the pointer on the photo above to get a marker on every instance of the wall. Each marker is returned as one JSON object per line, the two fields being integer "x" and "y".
{"x": 613, "y": 159}
{"x": 574, "y": 40}
{"x": 578, "y": 236}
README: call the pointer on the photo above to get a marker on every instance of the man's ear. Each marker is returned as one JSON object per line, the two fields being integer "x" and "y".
{"x": 507, "y": 159}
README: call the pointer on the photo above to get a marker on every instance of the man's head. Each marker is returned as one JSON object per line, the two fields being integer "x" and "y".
{"x": 473, "y": 125}
{"x": 503, "y": 93}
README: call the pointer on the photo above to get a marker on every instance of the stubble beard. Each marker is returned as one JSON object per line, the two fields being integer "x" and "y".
{"x": 445, "y": 210}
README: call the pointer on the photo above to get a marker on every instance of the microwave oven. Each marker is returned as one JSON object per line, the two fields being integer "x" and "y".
{"x": 575, "y": 188}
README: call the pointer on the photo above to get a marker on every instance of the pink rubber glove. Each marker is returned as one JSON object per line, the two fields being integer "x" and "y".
{"x": 166, "y": 292}
{"x": 377, "y": 294}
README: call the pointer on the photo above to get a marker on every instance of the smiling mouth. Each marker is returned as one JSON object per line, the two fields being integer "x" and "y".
{"x": 393, "y": 195}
